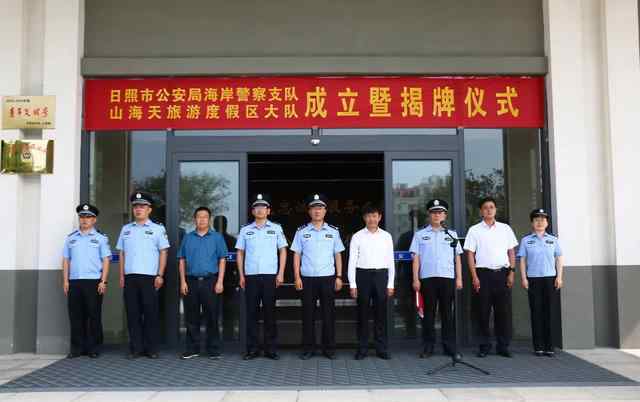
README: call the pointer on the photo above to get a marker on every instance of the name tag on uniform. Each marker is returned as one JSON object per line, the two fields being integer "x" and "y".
{"x": 72, "y": 241}
{"x": 94, "y": 241}
{"x": 426, "y": 238}
{"x": 306, "y": 235}
{"x": 531, "y": 242}
{"x": 149, "y": 232}
{"x": 549, "y": 241}
{"x": 328, "y": 236}
{"x": 250, "y": 233}
{"x": 271, "y": 232}
{"x": 448, "y": 239}
{"x": 127, "y": 232}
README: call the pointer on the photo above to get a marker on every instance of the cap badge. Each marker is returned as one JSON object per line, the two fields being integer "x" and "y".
{"x": 138, "y": 195}
{"x": 259, "y": 196}
{"x": 436, "y": 203}
{"x": 541, "y": 211}
{"x": 85, "y": 207}
{"x": 316, "y": 197}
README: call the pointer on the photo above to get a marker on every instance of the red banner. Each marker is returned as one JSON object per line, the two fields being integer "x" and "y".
{"x": 304, "y": 102}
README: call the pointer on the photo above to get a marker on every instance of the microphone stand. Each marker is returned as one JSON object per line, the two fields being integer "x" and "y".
{"x": 456, "y": 357}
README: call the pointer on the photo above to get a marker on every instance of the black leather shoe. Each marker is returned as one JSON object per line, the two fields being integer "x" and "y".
{"x": 250, "y": 355}
{"x": 457, "y": 357}
{"x": 504, "y": 353}
{"x": 272, "y": 356}
{"x": 73, "y": 355}
{"x": 383, "y": 355}
{"x": 329, "y": 355}
{"x": 539, "y": 353}
{"x": 360, "y": 356}
{"x": 481, "y": 353}
{"x": 153, "y": 355}
{"x": 549, "y": 353}
{"x": 306, "y": 355}
{"x": 133, "y": 355}
{"x": 94, "y": 355}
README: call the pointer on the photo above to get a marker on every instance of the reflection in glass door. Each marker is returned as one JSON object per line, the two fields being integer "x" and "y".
{"x": 414, "y": 181}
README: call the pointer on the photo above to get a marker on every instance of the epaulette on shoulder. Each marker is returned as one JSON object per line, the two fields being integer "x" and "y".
{"x": 333, "y": 226}
{"x": 301, "y": 227}
{"x": 72, "y": 233}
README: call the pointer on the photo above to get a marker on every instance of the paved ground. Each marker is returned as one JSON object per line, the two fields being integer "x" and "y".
{"x": 625, "y": 363}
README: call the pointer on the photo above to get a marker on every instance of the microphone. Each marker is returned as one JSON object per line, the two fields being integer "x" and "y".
{"x": 454, "y": 241}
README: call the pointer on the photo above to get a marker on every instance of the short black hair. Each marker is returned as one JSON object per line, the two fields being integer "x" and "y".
{"x": 201, "y": 209}
{"x": 371, "y": 208}
{"x": 487, "y": 199}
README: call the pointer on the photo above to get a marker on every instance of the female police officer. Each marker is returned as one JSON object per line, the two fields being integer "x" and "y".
{"x": 541, "y": 273}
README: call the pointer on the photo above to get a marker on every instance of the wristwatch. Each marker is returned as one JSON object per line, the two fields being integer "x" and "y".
{"x": 160, "y": 276}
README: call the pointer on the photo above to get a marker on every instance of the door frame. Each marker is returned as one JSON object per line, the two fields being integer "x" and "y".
{"x": 171, "y": 294}
{"x": 394, "y": 144}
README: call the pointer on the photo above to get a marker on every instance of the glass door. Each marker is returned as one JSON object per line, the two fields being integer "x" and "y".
{"x": 412, "y": 179}
{"x": 216, "y": 181}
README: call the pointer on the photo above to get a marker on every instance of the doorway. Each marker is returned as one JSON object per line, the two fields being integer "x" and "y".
{"x": 349, "y": 180}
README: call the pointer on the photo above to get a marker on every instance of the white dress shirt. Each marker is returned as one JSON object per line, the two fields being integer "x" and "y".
{"x": 371, "y": 250}
{"x": 490, "y": 243}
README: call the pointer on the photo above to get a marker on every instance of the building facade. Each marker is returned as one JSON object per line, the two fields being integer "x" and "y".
{"x": 577, "y": 160}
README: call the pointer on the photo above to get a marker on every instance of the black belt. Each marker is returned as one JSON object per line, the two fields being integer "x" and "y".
{"x": 503, "y": 269}
{"x": 201, "y": 278}
{"x": 373, "y": 269}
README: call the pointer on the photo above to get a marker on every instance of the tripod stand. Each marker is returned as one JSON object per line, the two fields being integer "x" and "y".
{"x": 456, "y": 358}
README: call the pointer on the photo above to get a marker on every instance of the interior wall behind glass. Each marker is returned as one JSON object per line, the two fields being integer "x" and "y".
{"x": 121, "y": 162}
{"x": 505, "y": 164}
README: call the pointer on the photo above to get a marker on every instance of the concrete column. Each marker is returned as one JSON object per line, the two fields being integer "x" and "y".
{"x": 63, "y": 50}
{"x": 622, "y": 87}
{"x": 11, "y": 52}
{"x": 579, "y": 157}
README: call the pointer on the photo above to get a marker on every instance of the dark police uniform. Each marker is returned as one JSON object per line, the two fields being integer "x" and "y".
{"x": 437, "y": 280}
{"x": 141, "y": 245}
{"x": 85, "y": 253}
{"x": 541, "y": 254}
{"x": 260, "y": 245}
{"x": 201, "y": 255}
{"x": 317, "y": 248}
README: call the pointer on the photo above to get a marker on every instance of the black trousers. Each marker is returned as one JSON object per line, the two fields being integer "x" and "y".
{"x": 318, "y": 288}
{"x": 261, "y": 288}
{"x": 372, "y": 288}
{"x": 438, "y": 293}
{"x": 494, "y": 295}
{"x": 202, "y": 302}
{"x": 543, "y": 302}
{"x": 142, "y": 307}
{"x": 84, "y": 304}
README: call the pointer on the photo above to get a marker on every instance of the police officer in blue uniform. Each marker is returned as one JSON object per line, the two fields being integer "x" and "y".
{"x": 202, "y": 258}
{"x": 317, "y": 267}
{"x": 436, "y": 275}
{"x": 143, "y": 248}
{"x": 541, "y": 268}
{"x": 85, "y": 267}
{"x": 261, "y": 259}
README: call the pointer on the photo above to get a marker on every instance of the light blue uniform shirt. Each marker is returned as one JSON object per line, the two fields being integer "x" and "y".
{"x": 541, "y": 253}
{"x": 85, "y": 253}
{"x": 141, "y": 245}
{"x": 261, "y": 245}
{"x": 318, "y": 249}
{"x": 435, "y": 252}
